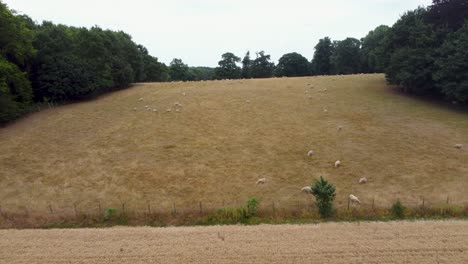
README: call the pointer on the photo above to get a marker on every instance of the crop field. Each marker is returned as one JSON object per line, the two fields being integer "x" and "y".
{"x": 113, "y": 152}
{"x": 394, "y": 242}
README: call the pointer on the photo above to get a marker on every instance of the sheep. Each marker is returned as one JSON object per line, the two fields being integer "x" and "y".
{"x": 337, "y": 163}
{"x": 354, "y": 199}
{"x": 168, "y": 110}
{"x": 184, "y": 94}
{"x": 310, "y": 153}
{"x": 325, "y": 110}
{"x": 362, "y": 180}
{"x": 134, "y": 108}
{"x": 261, "y": 181}
{"x": 307, "y": 189}
{"x": 155, "y": 110}
{"x": 340, "y": 127}
{"x": 458, "y": 146}
{"x": 247, "y": 101}
{"x": 146, "y": 106}
{"x": 141, "y": 99}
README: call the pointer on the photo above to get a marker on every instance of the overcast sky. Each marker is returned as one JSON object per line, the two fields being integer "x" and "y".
{"x": 200, "y": 31}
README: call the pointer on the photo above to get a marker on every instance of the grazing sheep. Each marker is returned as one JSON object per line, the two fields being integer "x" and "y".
{"x": 134, "y": 108}
{"x": 146, "y": 106}
{"x": 354, "y": 199}
{"x": 184, "y": 94}
{"x": 141, "y": 99}
{"x": 247, "y": 101}
{"x": 458, "y": 146}
{"x": 337, "y": 163}
{"x": 261, "y": 181}
{"x": 340, "y": 127}
{"x": 310, "y": 153}
{"x": 325, "y": 110}
{"x": 168, "y": 110}
{"x": 362, "y": 180}
{"x": 155, "y": 110}
{"x": 307, "y": 189}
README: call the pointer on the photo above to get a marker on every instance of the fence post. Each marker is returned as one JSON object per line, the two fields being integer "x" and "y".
{"x": 123, "y": 208}
{"x": 348, "y": 203}
{"x": 74, "y": 208}
{"x": 273, "y": 207}
{"x": 447, "y": 199}
{"x": 149, "y": 208}
{"x": 173, "y": 208}
{"x": 201, "y": 208}
{"x": 99, "y": 207}
{"x": 50, "y": 209}
{"x": 373, "y": 203}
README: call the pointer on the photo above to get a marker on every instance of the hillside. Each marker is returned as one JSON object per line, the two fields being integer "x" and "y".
{"x": 228, "y": 134}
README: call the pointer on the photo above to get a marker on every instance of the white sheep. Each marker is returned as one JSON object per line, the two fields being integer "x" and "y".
{"x": 354, "y": 199}
{"x": 310, "y": 153}
{"x": 458, "y": 146}
{"x": 247, "y": 101}
{"x": 184, "y": 94}
{"x": 141, "y": 99}
{"x": 155, "y": 110}
{"x": 134, "y": 108}
{"x": 337, "y": 163}
{"x": 307, "y": 189}
{"x": 168, "y": 110}
{"x": 146, "y": 106}
{"x": 362, "y": 180}
{"x": 325, "y": 110}
{"x": 340, "y": 127}
{"x": 261, "y": 181}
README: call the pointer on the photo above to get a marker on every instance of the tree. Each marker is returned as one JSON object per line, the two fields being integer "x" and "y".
{"x": 178, "y": 70}
{"x": 262, "y": 67}
{"x": 413, "y": 46}
{"x": 324, "y": 193}
{"x": 451, "y": 66}
{"x": 321, "y": 62}
{"x": 292, "y": 65}
{"x": 227, "y": 67}
{"x": 374, "y": 51}
{"x": 346, "y": 56}
{"x": 246, "y": 66}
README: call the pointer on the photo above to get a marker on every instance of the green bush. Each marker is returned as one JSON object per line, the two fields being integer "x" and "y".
{"x": 398, "y": 210}
{"x": 252, "y": 205}
{"x": 110, "y": 213}
{"x": 324, "y": 193}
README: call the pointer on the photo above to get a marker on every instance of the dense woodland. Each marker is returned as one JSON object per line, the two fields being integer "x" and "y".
{"x": 424, "y": 52}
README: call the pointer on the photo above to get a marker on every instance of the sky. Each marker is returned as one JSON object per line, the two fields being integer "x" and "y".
{"x": 200, "y": 31}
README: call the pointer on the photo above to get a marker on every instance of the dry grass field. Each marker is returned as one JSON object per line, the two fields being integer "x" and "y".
{"x": 395, "y": 242}
{"x": 228, "y": 134}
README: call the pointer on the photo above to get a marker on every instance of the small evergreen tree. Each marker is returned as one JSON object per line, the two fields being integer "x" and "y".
{"x": 324, "y": 193}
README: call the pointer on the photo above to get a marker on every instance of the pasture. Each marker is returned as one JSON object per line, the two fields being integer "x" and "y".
{"x": 225, "y": 136}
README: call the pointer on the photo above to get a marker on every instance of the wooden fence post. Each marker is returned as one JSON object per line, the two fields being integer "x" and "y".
{"x": 201, "y": 207}
{"x": 50, "y": 209}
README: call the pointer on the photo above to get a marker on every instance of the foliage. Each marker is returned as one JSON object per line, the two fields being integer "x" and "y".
{"x": 292, "y": 65}
{"x": 179, "y": 71}
{"x": 110, "y": 213}
{"x": 451, "y": 66}
{"x": 252, "y": 205}
{"x": 398, "y": 210}
{"x": 324, "y": 193}
{"x": 321, "y": 63}
{"x": 262, "y": 67}
{"x": 227, "y": 67}
{"x": 346, "y": 56}
{"x": 374, "y": 50}
{"x": 246, "y": 66}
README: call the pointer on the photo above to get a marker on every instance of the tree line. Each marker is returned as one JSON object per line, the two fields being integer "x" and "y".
{"x": 424, "y": 52}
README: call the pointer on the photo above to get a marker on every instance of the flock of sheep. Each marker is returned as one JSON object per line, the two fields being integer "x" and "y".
{"x": 177, "y": 106}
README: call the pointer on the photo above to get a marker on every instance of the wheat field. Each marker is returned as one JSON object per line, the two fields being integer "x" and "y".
{"x": 228, "y": 134}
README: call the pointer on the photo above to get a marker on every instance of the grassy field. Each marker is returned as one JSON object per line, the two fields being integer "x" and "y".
{"x": 228, "y": 134}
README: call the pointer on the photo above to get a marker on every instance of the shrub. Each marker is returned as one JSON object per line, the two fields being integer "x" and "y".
{"x": 110, "y": 213}
{"x": 324, "y": 193}
{"x": 252, "y": 205}
{"x": 398, "y": 210}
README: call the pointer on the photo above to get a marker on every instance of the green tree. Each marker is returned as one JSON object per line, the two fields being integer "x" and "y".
{"x": 262, "y": 67}
{"x": 413, "y": 50}
{"x": 292, "y": 65}
{"x": 321, "y": 62}
{"x": 246, "y": 66}
{"x": 324, "y": 193}
{"x": 346, "y": 56}
{"x": 374, "y": 51}
{"x": 451, "y": 66}
{"x": 178, "y": 70}
{"x": 228, "y": 68}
